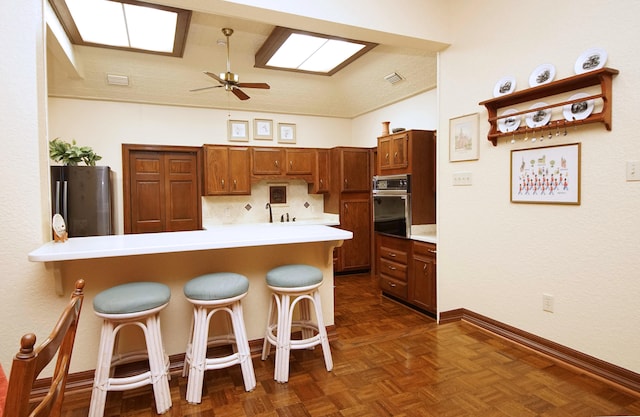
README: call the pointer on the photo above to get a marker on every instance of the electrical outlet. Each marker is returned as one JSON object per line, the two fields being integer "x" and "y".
{"x": 633, "y": 170}
{"x": 547, "y": 302}
{"x": 462, "y": 178}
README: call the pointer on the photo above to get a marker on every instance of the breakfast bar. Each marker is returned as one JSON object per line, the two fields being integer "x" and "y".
{"x": 173, "y": 258}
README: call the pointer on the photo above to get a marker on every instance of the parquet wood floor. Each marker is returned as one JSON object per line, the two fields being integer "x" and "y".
{"x": 391, "y": 361}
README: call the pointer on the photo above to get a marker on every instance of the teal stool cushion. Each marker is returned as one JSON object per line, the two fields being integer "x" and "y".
{"x": 131, "y": 298}
{"x": 296, "y": 275}
{"x": 216, "y": 286}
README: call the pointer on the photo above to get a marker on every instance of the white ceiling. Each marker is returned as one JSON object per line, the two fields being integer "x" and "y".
{"x": 355, "y": 90}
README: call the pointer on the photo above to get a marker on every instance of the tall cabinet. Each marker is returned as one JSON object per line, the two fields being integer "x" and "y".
{"x": 350, "y": 197}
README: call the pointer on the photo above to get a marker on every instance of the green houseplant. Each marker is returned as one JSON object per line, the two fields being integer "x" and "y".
{"x": 71, "y": 154}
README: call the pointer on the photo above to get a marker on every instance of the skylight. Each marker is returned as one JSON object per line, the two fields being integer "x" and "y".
{"x": 314, "y": 53}
{"x": 124, "y": 24}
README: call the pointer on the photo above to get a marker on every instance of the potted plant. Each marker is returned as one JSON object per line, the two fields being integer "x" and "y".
{"x": 71, "y": 154}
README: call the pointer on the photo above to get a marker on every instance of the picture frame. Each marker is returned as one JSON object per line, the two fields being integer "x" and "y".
{"x": 463, "y": 138}
{"x": 263, "y": 129}
{"x": 238, "y": 130}
{"x": 286, "y": 133}
{"x": 546, "y": 175}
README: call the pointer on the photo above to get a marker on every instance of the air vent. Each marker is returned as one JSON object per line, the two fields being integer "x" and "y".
{"x": 394, "y": 77}
{"x": 117, "y": 79}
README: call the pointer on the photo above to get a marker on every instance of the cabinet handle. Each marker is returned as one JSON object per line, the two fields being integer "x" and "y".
{"x": 321, "y": 181}
{"x": 386, "y": 156}
{"x": 277, "y": 164}
{"x": 424, "y": 267}
{"x": 391, "y": 254}
{"x": 346, "y": 183}
{"x": 222, "y": 183}
{"x": 393, "y": 268}
{"x": 432, "y": 251}
{"x": 395, "y": 155}
{"x": 392, "y": 285}
{"x": 290, "y": 164}
{"x": 235, "y": 184}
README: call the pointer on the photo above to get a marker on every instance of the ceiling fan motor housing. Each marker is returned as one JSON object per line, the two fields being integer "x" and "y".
{"x": 229, "y": 77}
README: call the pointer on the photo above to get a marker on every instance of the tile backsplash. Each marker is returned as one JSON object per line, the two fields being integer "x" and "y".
{"x": 252, "y": 208}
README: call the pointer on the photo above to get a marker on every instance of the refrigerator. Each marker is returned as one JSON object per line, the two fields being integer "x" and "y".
{"x": 82, "y": 195}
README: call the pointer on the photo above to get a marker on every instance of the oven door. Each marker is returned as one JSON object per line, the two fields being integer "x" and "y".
{"x": 391, "y": 214}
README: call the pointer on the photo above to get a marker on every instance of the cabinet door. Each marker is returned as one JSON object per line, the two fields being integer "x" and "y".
{"x": 422, "y": 284}
{"x": 146, "y": 192}
{"x": 181, "y": 184}
{"x": 399, "y": 151}
{"x": 299, "y": 161}
{"x": 355, "y": 216}
{"x": 355, "y": 170}
{"x": 321, "y": 172}
{"x": 266, "y": 161}
{"x": 216, "y": 170}
{"x": 384, "y": 154}
{"x": 239, "y": 171}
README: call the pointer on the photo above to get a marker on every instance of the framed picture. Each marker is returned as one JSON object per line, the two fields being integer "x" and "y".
{"x": 238, "y": 130}
{"x": 463, "y": 138}
{"x": 547, "y": 175}
{"x": 286, "y": 133}
{"x": 263, "y": 129}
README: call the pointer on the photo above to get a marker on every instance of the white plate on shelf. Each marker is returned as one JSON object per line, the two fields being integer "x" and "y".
{"x": 590, "y": 60}
{"x": 579, "y": 110}
{"x": 506, "y": 85}
{"x": 538, "y": 118}
{"x": 543, "y": 74}
{"x": 511, "y": 123}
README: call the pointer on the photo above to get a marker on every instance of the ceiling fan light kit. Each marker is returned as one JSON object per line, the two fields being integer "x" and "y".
{"x": 229, "y": 80}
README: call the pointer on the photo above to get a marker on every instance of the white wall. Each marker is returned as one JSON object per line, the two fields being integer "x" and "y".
{"x": 498, "y": 258}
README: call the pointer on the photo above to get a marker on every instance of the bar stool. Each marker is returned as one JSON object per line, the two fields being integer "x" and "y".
{"x": 293, "y": 285}
{"x": 209, "y": 294}
{"x": 138, "y": 304}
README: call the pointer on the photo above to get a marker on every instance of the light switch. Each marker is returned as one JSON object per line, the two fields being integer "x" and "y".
{"x": 633, "y": 170}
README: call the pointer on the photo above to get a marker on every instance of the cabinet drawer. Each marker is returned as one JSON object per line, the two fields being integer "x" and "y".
{"x": 393, "y": 270}
{"x": 393, "y": 287}
{"x": 393, "y": 254}
{"x": 423, "y": 248}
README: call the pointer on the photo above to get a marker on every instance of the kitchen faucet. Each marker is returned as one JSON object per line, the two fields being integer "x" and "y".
{"x": 268, "y": 206}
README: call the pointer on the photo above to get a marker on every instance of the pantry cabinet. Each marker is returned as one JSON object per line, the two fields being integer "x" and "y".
{"x": 226, "y": 170}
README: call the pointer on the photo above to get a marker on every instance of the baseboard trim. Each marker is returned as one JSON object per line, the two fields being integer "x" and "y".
{"x": 81, "y": 382}
{"x": 569, "y": 357}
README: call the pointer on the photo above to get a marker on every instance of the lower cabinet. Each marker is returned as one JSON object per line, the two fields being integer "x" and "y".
{"x": 355, "y": 254}
{"x": 407, "y": 271}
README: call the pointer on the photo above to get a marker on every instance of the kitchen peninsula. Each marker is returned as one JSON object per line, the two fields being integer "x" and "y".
{"x": 175, "y": 257}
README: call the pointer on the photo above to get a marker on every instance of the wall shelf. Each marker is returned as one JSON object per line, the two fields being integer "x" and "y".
{"x": 602, "y": 77}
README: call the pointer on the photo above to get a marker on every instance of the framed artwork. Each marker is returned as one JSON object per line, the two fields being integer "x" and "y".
{"x": 238, "y": 130}
{"x": 263, "y": 129}
{"x": 278, "y": 194}
{"x": 546, "y": 175}
{"x": 463, "y": 138}
{"x": 286, "y": 133}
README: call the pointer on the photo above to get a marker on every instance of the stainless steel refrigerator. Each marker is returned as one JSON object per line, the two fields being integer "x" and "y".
{"x": 82, "y": 195}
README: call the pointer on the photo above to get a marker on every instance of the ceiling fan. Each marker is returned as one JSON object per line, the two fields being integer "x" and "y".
{"x": 229, "y": 80}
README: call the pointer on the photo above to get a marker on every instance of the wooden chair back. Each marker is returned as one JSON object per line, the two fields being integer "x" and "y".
{"x": 31, "y": 360}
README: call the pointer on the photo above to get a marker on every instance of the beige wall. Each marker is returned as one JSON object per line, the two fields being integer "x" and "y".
{"x": 495, "y": 258}
{"x": 498, "y": 258}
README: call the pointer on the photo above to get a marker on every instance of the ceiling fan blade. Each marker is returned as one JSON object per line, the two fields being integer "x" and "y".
{"x": 254, "y": 85}
{"x": 239, "y": 93}
{"x": 215, "y": 77}
{"x": 205, "y": 88}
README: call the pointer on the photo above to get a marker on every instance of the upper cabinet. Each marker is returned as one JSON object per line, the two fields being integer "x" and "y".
{"x": 350, "y": 169}
{"x": 406, "y": 151}
{"x": 266, "y": 161}
{"x": 320, "y": 182}
{"x": 227, "y": 170}
{"x": 392, "y": 152}
{"x": 299, "y": 161}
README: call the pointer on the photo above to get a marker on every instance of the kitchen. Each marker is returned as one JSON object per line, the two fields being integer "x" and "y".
{"x": 466, "y": 230}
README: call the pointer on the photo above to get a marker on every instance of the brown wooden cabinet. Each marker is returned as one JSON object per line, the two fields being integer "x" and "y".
{"x": 392, "y": 265}
{"x": 226, "y": 170}
{"x": 407, "y": 271}
{"x": 266, "y": 161}
{"x": 320, "y": 179}
{"x": 422, "y": 285}
{"x": 299, "y": 162}
{"x": 350, "y": 197}
{"x": 412, "y": 152}
{"x": 161, "y": 188}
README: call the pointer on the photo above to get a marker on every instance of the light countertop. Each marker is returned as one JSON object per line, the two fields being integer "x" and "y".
{"x": 425, "y": 233}
{"x": 215, "y": 237}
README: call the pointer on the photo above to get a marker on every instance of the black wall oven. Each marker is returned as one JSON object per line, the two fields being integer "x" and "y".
{"x": 392, "y": 204}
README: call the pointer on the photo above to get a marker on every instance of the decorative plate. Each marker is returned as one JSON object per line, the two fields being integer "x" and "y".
{"x": 509, "y": 124}
{"x": 590, "y": 60}
{"x": 506, "y": 85}
{"x": 538, "y": 118}
{"x": 579, "y": 110}
{"x": 543, "y": 74}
